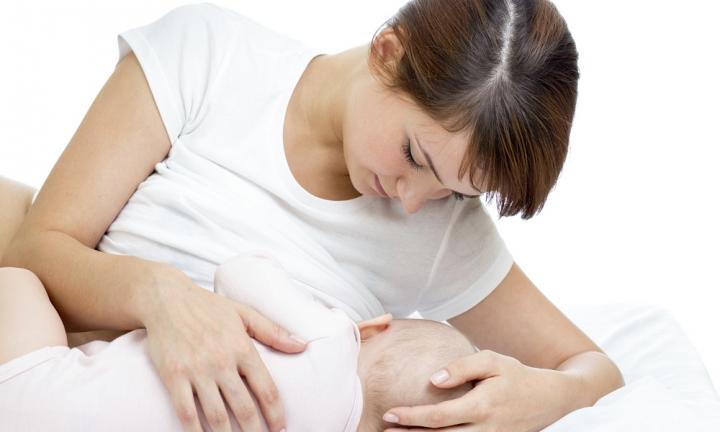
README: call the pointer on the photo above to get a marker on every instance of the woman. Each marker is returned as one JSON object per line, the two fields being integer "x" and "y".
{"x": 346, "y": 162}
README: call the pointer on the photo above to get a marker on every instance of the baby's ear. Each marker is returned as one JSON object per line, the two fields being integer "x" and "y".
{"x": 371, "y": 327}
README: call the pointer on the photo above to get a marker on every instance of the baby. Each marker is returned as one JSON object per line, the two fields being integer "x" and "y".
{"x": 392, "y": 360}
{"x": 347, "y": 377}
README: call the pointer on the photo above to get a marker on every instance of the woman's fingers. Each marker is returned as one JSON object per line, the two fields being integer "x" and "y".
{"x": 264, "y": 389}
{"x": 214, "y": 408}
{"x": 268, "y": 332}
{"x": 240, "y": 401}
{"x": 183, "y": 401}
{"x": 253, "y": 368}
{"x": 182, "y": 379}
{"x": 204, "y": 341}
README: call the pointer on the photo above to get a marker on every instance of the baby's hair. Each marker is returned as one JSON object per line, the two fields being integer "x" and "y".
{"x": 401, "y": 376}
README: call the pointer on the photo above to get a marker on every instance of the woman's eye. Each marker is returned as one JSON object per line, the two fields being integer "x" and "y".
{"x": 409, "y": 157}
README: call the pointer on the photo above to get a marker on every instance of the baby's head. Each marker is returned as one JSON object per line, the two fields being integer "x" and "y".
{"x": 397, "y": 358}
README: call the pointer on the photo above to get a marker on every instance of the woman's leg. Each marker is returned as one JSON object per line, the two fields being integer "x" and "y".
{"x": 28, "y": 321}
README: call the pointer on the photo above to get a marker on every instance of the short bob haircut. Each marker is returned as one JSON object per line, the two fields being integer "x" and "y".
{"x": 503, "y": 70}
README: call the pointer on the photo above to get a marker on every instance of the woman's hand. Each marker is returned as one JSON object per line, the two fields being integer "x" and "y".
{"x": 509, "y": 397}
{"x": 200, "y": 342}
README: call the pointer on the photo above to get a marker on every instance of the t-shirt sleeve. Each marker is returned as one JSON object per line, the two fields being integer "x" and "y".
{"x": 471, "y": 262}
{"x": 181, "y": 54}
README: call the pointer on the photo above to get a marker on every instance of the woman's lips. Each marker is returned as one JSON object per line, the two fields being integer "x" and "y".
{"x": 379, "y": 187}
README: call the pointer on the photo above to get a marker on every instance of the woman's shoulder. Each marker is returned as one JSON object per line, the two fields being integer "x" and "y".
{"x": 221, "y": 19}
{"x": 203, "y": 16}
{"x": 187, "y": 22}
{"x": 205, "y": 10}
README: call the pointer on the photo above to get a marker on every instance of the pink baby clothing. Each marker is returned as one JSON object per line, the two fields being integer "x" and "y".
{"x": 113, "y": 386}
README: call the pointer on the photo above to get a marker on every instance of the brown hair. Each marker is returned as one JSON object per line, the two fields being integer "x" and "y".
{"x": 506, "y": 71}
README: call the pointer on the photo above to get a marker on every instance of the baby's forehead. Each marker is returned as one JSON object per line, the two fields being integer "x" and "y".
{"x": 418, "y": 323}
{"x": 424, "y": 330}
{"x": 425, "y": 342}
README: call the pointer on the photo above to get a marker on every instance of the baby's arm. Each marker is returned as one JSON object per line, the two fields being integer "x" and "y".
{"x": 15, "y": 200}
{"x": 258, "y": 281}
{"x": 28, "y": 321}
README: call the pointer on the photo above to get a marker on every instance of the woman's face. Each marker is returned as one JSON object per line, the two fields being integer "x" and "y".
{"x": 385, "y": 135}
{"x": 381, "y": 129}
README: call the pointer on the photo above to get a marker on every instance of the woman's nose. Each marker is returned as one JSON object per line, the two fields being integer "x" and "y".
{"x": 413, "y": 197}
{"x": 412, "y": 205}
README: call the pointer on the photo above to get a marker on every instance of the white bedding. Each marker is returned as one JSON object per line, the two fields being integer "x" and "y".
{"x": 667, "y": 386}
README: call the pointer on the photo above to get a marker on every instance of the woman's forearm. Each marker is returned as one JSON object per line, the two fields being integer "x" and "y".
{"x": 577, "y": 383}
{"x": 91, "y": 290}
{"x": 595, "y": 374}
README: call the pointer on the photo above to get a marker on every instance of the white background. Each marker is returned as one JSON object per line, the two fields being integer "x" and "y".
{"x": 634, "y": 216}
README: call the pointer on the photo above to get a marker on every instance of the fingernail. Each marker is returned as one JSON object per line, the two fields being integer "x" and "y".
{"x": 390, "y": 418}
{"x": 440, "y": 377}
{"x": 299, "y": 339}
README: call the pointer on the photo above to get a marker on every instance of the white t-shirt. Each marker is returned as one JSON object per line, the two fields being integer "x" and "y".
{"x": 222, "y": 83}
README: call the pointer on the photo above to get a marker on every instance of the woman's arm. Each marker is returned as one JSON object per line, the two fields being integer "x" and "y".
{"x": 199, "y": 342}
{"x": 517, "y": 320}
{"x": 115, "y": 148}
{"x": 535, "y": 366}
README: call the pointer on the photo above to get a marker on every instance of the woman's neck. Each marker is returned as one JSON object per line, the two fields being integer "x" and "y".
{"x": 323, "y": 96}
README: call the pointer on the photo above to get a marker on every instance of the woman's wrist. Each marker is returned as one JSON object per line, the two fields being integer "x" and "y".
{"x": 161, "y": 284}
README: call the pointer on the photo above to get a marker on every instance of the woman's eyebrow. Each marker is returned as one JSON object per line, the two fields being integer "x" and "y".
{"x": 432, "y": 166}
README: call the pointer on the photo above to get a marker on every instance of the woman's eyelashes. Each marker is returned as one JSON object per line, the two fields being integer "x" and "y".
{"x": 409, "y": 157}
{"x": 458, "y": 196}
{"x": 411, "y": 160}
